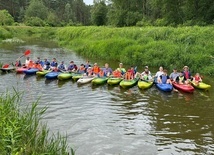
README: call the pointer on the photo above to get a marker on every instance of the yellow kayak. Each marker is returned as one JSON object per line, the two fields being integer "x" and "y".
{"x": 201, "y": 85}
{"x": 144, "y": 84}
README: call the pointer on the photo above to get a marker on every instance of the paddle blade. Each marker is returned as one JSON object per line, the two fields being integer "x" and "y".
{"x": 27, "y": 52}
{"x": 5, "y": 66}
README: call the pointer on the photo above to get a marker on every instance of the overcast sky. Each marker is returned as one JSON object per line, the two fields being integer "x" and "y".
{"x": 88, "y": 2}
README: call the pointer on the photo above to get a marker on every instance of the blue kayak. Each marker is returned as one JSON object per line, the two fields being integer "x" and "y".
{"x": 52, "y": 75}
{"x": 31, "y": 71}
{"x": 164, "y": 87}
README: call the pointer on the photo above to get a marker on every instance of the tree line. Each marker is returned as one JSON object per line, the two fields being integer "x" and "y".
{"x": 108, "y": 12}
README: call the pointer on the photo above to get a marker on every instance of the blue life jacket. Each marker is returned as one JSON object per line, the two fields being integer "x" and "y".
{"x": 163, "y": 79}
{"x": 61, "y": 67}
{"x": 53, "y": 64}
{"x": 71, "y": 67}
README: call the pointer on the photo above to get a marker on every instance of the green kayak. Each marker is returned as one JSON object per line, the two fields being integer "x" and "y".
{"x": 65, "y": 76}
{"x": 99, "y": 80}
{"x": 144, "y": 84}
{"x": 114, "y": 81}
{"x": 42, "y": 73}
{"x": 76, "y": 76}
{"x": 128, "y": 83}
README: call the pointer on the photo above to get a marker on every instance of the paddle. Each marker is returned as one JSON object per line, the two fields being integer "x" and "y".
{"x": 5, "y": 66}
{"x": 27, "y": 52}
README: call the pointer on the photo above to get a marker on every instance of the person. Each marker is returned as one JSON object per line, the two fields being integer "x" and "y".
{"x": 47, "y": 66}
{"x": 164, "y": 78}
{"x": 107, "y": 71}
{"x": 38, "y": 66}
{"x": 46, "y": 61}
{"x": 72, "y": 67}
{"x": 146, "y": 74}
{"x": 121, "y": 69}
{"x": 31, "y": 64}
{"x": 197, "y": 78}
{"x": 181, "y": 78}
{"x": 187, "y": 73}
{"x": 87, "y": 65}
{"x": 174, "y": 74}
{"x": 117, "y": 74}
{"x": 27, "y": 61}
{"x": 39, "y": 61}
{"x": 95, "y": 69}
{"x": 81, "y": 69}
{"x": 54, "y": 64}
{"x": 129, "y": 75}
{"x": 89, "y": 71}
{"x": 18, "y": 63}
{"x": 62, "y": 67}
{"x": 160, "y": 72}
{"x": 101, "y": 73}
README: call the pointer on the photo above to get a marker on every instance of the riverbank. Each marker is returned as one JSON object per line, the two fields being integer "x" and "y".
{"x": 22, "y": 132}
{"x": 153, "y": 46}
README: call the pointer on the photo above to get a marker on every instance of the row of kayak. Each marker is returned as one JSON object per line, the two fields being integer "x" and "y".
{"x": 112, "y": 81}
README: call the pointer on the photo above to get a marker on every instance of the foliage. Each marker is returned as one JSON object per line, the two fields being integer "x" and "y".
{"x": 5, "y": 18}
{"x": 34, "y": 21}
{"x": 22, "y": 132}
{"x": 153, "y": 46}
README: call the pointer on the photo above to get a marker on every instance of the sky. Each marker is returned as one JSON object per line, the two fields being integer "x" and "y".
{"x": 88, "y": 2}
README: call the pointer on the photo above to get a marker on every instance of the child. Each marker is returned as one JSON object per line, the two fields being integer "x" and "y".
{"x": 197, "y": 78}
{"x": 181, "y": 78}
{"x": 129, "y": 75}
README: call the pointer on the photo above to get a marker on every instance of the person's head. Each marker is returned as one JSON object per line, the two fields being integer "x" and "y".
{"x": 38, "y": 58}
{"x": 54, "y": 59}
{"x": 71, "y": 62}
{"x": 120, "y": 64}
{"x": 106, "y": 65}
{"x": 175, "y": 70}
{"x": 82, "y": 65}
{"x": 186, "y": 68}
{"x": 160, "y": 68}
{"x": 132, "y": 67}
{"x": 197, "y": 74}
{"x": 62, "y": 62}
{"x": 181, "y": 74}
{"x": 45, "y": 59}
{"x": 165, "y": 71}
{"x": 146, "y": 68}
{"x": 28, "y": 58}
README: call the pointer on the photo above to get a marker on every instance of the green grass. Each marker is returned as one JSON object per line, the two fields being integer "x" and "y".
{"x": 22, "y": 132}
{"x": 153, "y": 46}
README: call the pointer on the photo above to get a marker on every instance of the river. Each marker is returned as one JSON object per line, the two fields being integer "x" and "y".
{"x": 110, "y": 120}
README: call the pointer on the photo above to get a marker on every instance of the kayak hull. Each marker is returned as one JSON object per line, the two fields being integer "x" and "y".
{"x": 64, "y": 76}
{"x": 77, "y": 76}
{"x": 128, "y": 83}
{"x": 42, "y": 73}
{"x": 114, "y": 81}
{"x": 31, "y": 71}
{"x": 99, "y": 80}
{"x": 7, "y": 69}
{"x": 164, "y": 87}
{"x": 52, "y": 75}
{"x": 20, "y": 70}
{"x": 201, "y": 85}
{"x": 85, "y": 79}
{"x": 184, "y": 87}
{"x": 144, "y": 84}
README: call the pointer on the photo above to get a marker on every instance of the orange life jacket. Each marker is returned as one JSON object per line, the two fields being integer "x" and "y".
{"x": 117, "y": 73}
{"x": 38, "y": 66}
{"x": 31, "y": 64}
{"x": 101, "y": 73}
{"x": 96, "y": 69}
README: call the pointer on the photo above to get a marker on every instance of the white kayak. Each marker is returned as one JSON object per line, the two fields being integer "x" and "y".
{"x": 85, "y": 79}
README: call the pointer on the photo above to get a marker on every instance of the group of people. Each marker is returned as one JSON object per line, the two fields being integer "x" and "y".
{"x": 161, "y": 76}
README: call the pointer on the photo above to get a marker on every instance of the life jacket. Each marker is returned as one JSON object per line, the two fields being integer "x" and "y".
{"x": 163, "y": 79}
{"x": 117, "y": 73}
{"x": 71, "y": 67}
{"x": 96, "y": 69}
{"x": 61, "y": 67}
{"x": 197, "y": 78}
{"x": 31, "y": 64}
{"x": 53, "y": 64}
{"x": 187, "y": 75}
{"x": 81, "y": 70}
{"x": 128, "y": 75}
{"x": 101, "y": 74}
{"x": 181, "y": 78}
{"x": 47, "y": 67}
{"x": 38, "y": 66}
{"x": 122, "y": 70}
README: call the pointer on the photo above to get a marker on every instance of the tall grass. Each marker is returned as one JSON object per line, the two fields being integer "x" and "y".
{"x": 153, "y": 46}
{"x": 22, "y": 132}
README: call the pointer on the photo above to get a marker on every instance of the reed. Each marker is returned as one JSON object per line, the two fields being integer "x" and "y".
{"x": 153, "y": 46}
{"x": 22, "y": 132}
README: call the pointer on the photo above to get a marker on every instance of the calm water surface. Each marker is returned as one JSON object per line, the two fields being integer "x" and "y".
{"x": 108, "y": 120}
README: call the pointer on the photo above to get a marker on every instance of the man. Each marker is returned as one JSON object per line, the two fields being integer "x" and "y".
{"x": 107, "y": 71}
{"x": 174, "y": 75}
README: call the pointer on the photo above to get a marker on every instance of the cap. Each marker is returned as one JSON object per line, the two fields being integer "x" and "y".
{"x": 121, "y": 63}
{"x": 95, "y": 63}
{"x": 146, "y": 67}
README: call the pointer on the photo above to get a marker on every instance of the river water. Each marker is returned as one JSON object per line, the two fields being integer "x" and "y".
{"x": 104, "y": 120}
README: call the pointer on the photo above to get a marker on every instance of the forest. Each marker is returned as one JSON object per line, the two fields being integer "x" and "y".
{"x": 119, "y": 13}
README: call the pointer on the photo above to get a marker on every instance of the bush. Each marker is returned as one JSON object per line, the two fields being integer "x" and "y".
{"x": 35, "y": 21}
{"x": 5, "y": 18}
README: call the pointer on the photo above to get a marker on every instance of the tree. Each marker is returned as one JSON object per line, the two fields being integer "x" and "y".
{"x": 5, "y": 18}
{"x": 99, "y": 13}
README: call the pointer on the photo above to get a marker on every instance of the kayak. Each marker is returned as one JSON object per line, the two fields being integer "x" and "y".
{"x": 85, "y": 79}
{"x": 8, "y": 69}
{"x": 42, "y": 73}
{"x": 144, "y": 84}
{"x": 164, "y": 87}
{"x": 128, "y": 83}
{"x": 76, "y": 76}
{"x": 31, "y": 71}
{"x": 183, "y": 87}
{"x": 21, "y": 69}
{"x": 114, "y": 81}
{"x": 99, "y": 80}
{"x": 65, "y": 76}
{"x": 52, "y": 75}
{"x": 201, "y": 85}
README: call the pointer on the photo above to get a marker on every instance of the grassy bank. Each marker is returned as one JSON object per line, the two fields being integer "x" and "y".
{"x": 21, "y": 131}
{"x": 153, "y": 46}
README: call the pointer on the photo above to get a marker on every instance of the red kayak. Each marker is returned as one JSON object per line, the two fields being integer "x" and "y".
{"x": 21, "y": 69}
{"x": 183, "y": 87}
